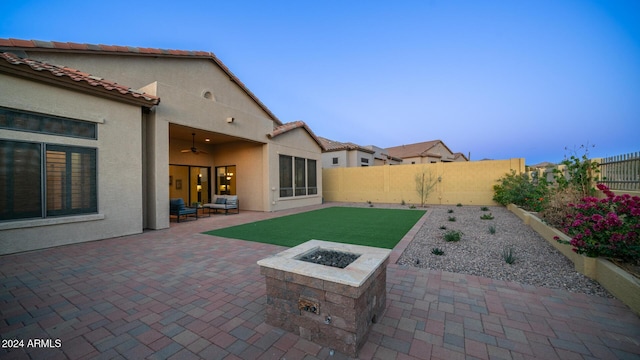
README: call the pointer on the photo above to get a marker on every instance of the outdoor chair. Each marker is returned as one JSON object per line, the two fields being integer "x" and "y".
{"x": 178, "y": 208}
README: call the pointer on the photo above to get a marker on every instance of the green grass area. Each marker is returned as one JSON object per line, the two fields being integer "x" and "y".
{"x": 382, "y": 228}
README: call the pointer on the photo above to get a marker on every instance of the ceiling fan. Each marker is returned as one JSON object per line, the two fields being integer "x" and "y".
{"x": 193, "y": 147}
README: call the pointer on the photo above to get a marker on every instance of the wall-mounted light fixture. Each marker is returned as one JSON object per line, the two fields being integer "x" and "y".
{"x": 230, "y": 120}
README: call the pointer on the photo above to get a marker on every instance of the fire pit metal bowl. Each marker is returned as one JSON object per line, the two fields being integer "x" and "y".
{"x": 329, "y": 305}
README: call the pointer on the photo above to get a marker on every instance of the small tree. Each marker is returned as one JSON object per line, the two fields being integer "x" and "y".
{"x": 425, "y": 182}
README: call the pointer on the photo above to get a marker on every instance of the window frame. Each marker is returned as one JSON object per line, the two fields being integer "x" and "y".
{"x": 293, "y": 171}
{"x": 34, "y": 122}
{"x": 67, "y": 188}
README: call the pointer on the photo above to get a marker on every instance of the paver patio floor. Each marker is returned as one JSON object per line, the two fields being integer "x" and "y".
{"x": 179, "y": 294}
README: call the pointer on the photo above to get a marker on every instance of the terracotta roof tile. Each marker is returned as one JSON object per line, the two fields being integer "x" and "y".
{"x": 106, "y": 49}
{"x": 332, "y": 145}
{"x": 285, "y": 128}
{"x": 412, "y": 150}
{"x": 16, "y": 65}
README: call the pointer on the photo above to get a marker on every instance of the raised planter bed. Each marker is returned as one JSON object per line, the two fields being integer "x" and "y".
{"x": 616, "y": 280}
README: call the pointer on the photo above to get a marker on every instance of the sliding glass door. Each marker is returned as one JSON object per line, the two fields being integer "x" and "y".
{"x": 191, "y": 183}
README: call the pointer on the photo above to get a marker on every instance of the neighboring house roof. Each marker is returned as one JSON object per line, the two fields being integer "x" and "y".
{"x": 285, "y": 128}
{"x": 331, "y": 145}
{"x": 72, "y": 78}
{"x": 415, "y": 150}
{"x": 544, "y": 164}
{"x": 459, "y": 155}
{"x": 53, "y": 46}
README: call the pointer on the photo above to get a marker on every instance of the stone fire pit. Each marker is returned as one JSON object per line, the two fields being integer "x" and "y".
{"x": 328, "y": 305}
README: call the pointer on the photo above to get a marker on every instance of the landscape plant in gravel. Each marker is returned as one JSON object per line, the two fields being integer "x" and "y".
{"x": 492, "y": 229}
{"x": 452, "y": 236}
{"x": 508, "y": 255}
{"x": 488, "y": 216}
{"x": 608, "y": 227}
{"x": 437, "y": 251}
{"x": 452, "y": 218}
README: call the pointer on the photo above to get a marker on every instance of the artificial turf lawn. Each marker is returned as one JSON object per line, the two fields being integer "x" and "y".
{"x": 382, "y": 228}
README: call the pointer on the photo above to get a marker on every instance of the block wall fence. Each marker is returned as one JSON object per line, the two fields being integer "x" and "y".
{"x": 467, "y": 183}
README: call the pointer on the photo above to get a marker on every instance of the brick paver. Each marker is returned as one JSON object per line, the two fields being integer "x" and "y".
{"x": 179, "y": 294}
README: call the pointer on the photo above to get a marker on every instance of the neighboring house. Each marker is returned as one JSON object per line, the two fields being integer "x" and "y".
{"x": 381, "y": 157}
{"x": 85, "y": 158}
{"x": 339, "y": 154}
{"x": 425, "y": 152}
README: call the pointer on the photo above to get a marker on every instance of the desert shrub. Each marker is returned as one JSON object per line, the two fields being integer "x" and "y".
{"x": 608, "y": 227}
{"x": 488, "y": 216}
{"x": 556, "y": 210}
{"x": 520, "y": 190}
{"x": 437, "y": 251}
{"x": 492, "y": 229}
{"x": 453, "y": 236}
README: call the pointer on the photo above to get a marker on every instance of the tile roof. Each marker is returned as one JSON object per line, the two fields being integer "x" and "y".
{"x": 412, "y": 150}
{"x": 285, "y": 128}
{"x": 54, "y": 46}
{"x": 64, "y": 76}
{"x": 459, "y": 155}
{"x": 331, "y": 145}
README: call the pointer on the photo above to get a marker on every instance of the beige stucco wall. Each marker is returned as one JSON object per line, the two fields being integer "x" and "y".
{"x": 327, "y": 159}
{"x": 355, "y": 158}
{"x": 119, "y": 166}
{"x": 198, "y": 94}
{"x": 469, "y": 183}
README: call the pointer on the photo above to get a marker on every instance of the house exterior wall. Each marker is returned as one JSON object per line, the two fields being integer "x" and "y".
{"x": 119, "y": 165}
{"x": 468, "y": 183}
{"x": 347, "y": 158}
{"x": 198, "y": 94}
{"x": 294, "y": 143}
{"x": 327, "y": 159}
{"x": 356, "y": 156}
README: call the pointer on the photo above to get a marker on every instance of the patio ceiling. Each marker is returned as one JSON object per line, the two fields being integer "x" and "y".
{"x": 181, "y": 132}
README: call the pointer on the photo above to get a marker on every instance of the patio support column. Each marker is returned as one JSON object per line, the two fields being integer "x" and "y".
{"x": 156, "y": 185}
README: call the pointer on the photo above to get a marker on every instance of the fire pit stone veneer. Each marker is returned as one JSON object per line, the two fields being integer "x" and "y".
{"x": 328, "y": 305}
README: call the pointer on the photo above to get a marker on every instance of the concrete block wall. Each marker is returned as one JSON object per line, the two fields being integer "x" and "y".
{"x": 467, "y": 183}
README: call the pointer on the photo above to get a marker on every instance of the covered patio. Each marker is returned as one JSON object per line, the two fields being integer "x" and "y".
{"x": 179, "y": 294}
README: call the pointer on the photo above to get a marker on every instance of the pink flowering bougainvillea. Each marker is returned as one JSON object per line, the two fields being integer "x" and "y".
{"x": 608, "y": 227}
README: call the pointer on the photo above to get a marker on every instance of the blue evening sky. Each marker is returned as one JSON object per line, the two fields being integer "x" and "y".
{"x": 497, "y": 79}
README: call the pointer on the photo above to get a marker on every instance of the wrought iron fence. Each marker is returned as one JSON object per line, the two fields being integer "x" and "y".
{"x": 621, "y": 172}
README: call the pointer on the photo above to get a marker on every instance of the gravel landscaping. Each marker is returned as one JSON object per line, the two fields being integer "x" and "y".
{"x": 481, "y": 253}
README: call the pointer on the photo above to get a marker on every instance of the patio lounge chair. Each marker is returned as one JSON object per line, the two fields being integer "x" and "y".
{"x": 178, "y": 208}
